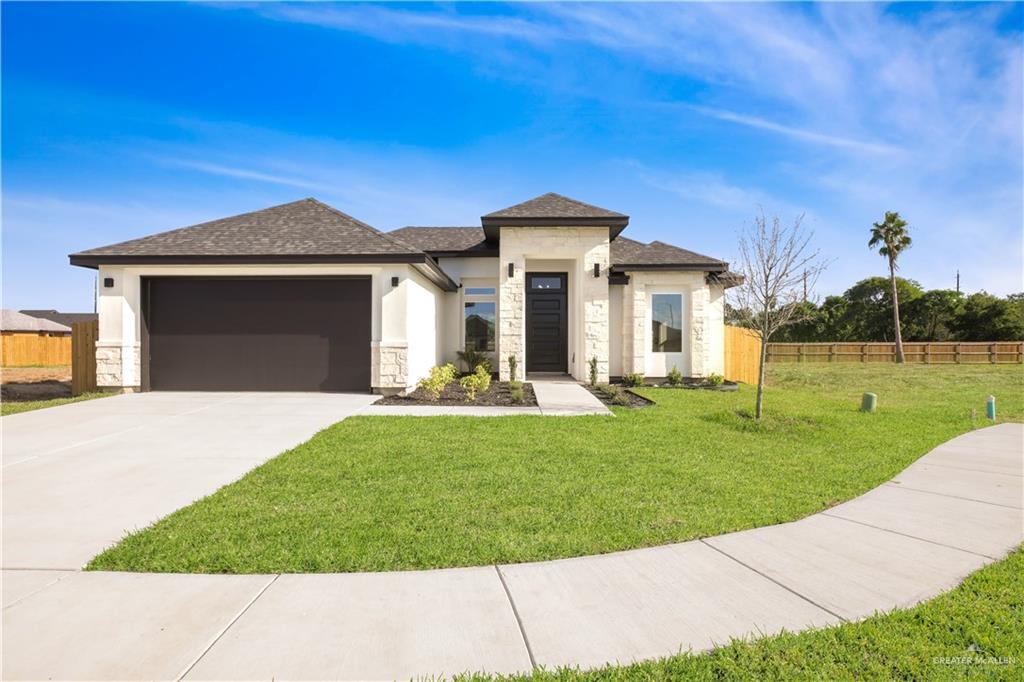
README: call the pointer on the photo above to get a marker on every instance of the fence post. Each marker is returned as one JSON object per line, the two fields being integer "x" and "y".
{"x": 928, "y": 353}
{"x": 956, "y": 353}
{"x": 831, "y": 352}
{"x": 992, "y": 353}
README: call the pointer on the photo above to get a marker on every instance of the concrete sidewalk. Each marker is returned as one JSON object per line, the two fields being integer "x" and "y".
{"x": 952, "y": 512}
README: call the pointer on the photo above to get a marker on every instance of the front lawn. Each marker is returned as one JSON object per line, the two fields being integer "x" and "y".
{"x": 8, "y": 407}
{"x": 389, "y": 493}
{"x": 973, "y": 632}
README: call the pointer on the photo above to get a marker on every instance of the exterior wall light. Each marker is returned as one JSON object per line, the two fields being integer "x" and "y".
{"x": 511, "y": 270}
{"x": 597, "y": 269}
{"x": 394, "y": 281}
{"x": 108, "y": 282}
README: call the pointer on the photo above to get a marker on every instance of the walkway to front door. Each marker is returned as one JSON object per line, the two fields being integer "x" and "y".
{"x": 547, "y": 326}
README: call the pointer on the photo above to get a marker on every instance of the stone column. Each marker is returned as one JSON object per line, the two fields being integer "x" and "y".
{"x": 511, "y": 315}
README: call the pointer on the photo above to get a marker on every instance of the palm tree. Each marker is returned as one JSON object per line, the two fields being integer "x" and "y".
{"x": 894, "y": 238}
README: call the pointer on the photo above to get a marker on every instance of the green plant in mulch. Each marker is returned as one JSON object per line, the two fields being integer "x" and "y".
{"x": 675, "y": 377}
{"x": 437, "y": 380}
{"x": 593, "y": 371}
{"x": 473, "y": 359}
{"x": 477, "y": 382}
{"x": 635, "y": 380}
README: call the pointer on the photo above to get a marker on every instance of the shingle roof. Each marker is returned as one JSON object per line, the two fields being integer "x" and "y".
{"x": 626, "y": 251}
{"x": 62, "y": 318}
{"x": 13, "y": 321}
{"x": 300, "y": 228}
{"x": 553, "y": 205}
{"x": 444, "y": 239}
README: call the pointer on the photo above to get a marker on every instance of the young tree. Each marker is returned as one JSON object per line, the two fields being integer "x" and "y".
{"x": 891, "y": 238}
{"x": 778, "y": 266}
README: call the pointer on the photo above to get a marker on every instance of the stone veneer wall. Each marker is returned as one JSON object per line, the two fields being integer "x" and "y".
{"x": 111, "y": 360}
{"x": 389, "y": 367}
{"x": 634, "y": 320}
{"x": 584, "y": 245}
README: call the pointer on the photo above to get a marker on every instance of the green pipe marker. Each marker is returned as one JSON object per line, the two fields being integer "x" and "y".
{"x": 990, "y": 407}
{"x": 869, "y": 402}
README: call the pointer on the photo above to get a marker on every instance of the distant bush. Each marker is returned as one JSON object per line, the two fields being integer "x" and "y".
{"x": 635, "y": 379}
{"x": 715, "y": 379}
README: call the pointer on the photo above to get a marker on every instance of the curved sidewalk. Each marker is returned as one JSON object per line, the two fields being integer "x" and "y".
{"x": 953, "y": 511}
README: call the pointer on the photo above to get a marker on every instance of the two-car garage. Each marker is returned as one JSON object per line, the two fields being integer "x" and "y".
{"x": 256, "y": 334}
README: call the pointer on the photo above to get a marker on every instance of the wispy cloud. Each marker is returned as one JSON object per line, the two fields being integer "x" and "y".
{"x": 246, "y": 174}
{"x": 796, "y": 133}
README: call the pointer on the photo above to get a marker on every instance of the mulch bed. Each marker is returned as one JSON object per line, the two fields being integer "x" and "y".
{"x": 497, "y": 395}
{"x": 17, "y": 392}
{"x": 635, "y": 401}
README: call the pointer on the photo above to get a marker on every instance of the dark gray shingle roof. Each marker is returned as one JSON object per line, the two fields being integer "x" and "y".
{"x": 13, "y": 321}
{"x": 444, "y": 239}
{"x": 66, "y": 319}
{"x": 626, "y": 251}
{"x": 300, "y": 228}
{"x": 553, "y": 205}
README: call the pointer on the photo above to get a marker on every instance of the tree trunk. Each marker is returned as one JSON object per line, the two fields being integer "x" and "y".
{"x": 758, "y": 408}
{"x": 896, "y": 313}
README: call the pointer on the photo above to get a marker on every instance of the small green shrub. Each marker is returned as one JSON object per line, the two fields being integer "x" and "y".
{"x": 516, "y": 392}
{"x": 715, "y": 379}
{"x": 593, "y": 371}
{"x": 474, "y": 358}
{"x": 470, "y": 384}
{"x": 620, "y": 398}
{"x": 439, "y": 377}
{"x": 512, "y": 365}
{"x": 635, "y": 379}
{"x": 675, "y": 377}
{"x": 614, "y": 394}
{"x": 483, "y": 376}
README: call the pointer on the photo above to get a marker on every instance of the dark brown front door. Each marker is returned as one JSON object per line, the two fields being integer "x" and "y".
{"x": 547, "y": 326}
{"x": 256, "y": 334}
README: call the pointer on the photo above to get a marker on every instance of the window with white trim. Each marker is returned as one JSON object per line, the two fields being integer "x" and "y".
{"x": 479, "y": 318}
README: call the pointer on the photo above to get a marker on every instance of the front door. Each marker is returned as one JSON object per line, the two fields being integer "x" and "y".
{"x": 547, "y": 327}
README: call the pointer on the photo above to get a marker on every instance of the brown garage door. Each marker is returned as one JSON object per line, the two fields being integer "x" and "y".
{"x": 265, "y": 334}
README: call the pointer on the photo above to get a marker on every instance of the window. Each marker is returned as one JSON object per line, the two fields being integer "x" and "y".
{"x": 545, "y": 282}
{"x": 479, "y": 319}
{"x": 667, "y": 323}
{"x": 480, "y": 291}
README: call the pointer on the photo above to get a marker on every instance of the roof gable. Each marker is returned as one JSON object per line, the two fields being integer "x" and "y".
{"x": 553, "y": 210}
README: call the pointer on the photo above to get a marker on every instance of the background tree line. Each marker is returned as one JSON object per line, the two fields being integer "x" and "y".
{"x": 864, "y": 313}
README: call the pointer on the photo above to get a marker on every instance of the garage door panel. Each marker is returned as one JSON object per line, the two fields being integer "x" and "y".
{"x": 259, "y": 334}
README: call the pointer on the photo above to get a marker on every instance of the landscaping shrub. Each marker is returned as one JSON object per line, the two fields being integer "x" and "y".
{"x": 470, "y": 384}
{"x": 593, "y": 371}
{"x": 715, "y": 379}
{"x": 483, "y": 375}
{"x": 635, "y": 379}
{"x": 675, "y": 377}
{"x": 615, "y": 394}
{"x": 515, "y": 389}
{"x": 439, "y": 377}
{"x": 512, "y": 364}
{"x": 473, "y": 359}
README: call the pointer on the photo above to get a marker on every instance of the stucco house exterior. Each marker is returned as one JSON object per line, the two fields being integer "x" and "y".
{"x": 304, "y": 297}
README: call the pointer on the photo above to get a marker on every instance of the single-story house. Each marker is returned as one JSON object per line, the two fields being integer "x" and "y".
{"x": 66, "y": 319}
{"x": 27, "y": 340}
{"x": 304, "y": 297}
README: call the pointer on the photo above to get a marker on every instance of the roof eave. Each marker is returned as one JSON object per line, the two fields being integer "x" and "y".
{"x": 689, "y": 267}
{"x": 492, "y": 225}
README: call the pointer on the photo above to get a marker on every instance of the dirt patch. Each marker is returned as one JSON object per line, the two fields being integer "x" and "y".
{"x": 618, "y": 396}
{"x": 498, "y": 395}
{"x": 21, "y": 384}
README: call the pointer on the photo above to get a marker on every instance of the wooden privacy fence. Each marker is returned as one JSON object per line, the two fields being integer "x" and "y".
{"x": 742, "y": 354}
{"x": 25, "y": 349}
{"x": 83, "y": 356}
{"x": 931, "y": 352}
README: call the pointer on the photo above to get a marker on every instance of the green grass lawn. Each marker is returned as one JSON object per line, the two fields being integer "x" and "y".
{"x": 975, "y": 631}
{"x": 7, "y": 408}
{"x": 389, "y": 493}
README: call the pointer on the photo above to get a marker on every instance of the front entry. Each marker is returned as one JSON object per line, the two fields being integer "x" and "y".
{"x": 547, "y": 327}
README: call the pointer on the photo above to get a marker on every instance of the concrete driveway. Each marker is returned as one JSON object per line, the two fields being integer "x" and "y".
{"x": 76, "y": 478}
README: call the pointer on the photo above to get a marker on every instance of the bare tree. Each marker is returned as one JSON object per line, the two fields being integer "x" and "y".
{"x": 778, "y": 265}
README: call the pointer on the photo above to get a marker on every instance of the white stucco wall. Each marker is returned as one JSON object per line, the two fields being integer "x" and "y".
{"x": 704, "y": 331}
{"x": 615, "y": 335}
{"x": 531, "y": 247}
{"x": 404, "y": 319}
{"x": 470, "y": 272}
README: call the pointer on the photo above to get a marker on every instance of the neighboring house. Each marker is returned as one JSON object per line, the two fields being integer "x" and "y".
{"x": 14, "y": 322}
{"x": 27, "y": 341}
{"x": 66, "y": 319}
{"x": 304, "y": 297}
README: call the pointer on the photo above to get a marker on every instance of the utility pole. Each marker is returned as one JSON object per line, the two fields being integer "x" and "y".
{"x": 805, "y": 286}
{"x": 958, "y": 281}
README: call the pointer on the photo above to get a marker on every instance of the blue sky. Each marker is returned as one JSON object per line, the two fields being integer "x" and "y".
{"x": 126, "y": 119}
